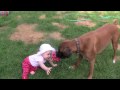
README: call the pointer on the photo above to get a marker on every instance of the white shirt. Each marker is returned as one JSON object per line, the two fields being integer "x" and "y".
{"x": 35, "y": 59}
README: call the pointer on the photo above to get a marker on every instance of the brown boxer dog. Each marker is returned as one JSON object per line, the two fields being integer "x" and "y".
{"x": 90, "y": 44}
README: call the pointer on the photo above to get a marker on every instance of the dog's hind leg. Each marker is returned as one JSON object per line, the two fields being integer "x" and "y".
{"x": 115, "y": 46}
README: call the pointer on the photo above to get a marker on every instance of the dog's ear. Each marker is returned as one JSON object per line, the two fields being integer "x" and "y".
{"x": 67, "y": 52}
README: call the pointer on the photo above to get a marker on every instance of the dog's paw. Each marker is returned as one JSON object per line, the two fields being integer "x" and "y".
{"x": 114, "y": 61}
{"x": 71, "y": 67}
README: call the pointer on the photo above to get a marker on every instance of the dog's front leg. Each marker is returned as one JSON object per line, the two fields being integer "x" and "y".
{"x": 77, "y": 63}
{"x": 92, "y": 62}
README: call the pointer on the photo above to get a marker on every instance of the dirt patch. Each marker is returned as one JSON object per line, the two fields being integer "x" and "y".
{"x": 18, "y": 17}
{"x": 81, "y": 18}
{"x": 27, "y": 34}
{"x": 61, "y": 26}
{"x": 58, "y": 17}
{"x": 118, "y": 57}
{"x": 56, "y": 35}
{"x": 87, "y": 23}
{"x": 3, "y": 28}
{"x": 86, "y": 11}
{"x": 61, "y": 12}
{"x": 42, "y": 16}
{"x": 101, "y": 13}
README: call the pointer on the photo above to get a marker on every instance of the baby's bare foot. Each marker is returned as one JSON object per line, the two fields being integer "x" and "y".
{"x": 72, "y": 67}
{"x": 32, "y": 72}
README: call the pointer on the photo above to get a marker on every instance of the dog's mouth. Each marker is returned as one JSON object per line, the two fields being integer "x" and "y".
{"x": 62, "y": 55}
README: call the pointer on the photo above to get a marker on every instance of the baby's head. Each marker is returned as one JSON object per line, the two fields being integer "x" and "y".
{"x": 45, "y": 50}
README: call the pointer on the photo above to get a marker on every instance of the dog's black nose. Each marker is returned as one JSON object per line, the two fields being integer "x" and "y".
{"x": 58, "y": 54}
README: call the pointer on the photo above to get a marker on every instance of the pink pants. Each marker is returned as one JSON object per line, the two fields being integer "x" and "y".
{"x": 27, "y": 68}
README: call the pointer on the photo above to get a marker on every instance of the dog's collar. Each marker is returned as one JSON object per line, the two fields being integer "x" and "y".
{"x": 78, "y": 46}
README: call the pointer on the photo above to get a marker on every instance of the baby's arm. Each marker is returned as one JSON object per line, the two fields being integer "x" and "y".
{"x": 47, "y": 69}
{"x": 51, "y": 62}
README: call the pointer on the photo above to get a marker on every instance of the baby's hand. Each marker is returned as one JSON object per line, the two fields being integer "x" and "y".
{"x": 48, "y": 70}
{"x": 55, "y": 65}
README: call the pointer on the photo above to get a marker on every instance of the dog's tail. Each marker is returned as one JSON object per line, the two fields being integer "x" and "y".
{"x": 115, "y": 22}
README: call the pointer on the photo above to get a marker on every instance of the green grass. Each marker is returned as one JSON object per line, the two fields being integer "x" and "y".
{"x": 12, "y": 53}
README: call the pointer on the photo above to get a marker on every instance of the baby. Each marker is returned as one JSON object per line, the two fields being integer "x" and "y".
{"x": 31, "y": 63}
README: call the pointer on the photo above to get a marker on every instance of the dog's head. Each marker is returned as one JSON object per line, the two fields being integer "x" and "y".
{"x": 64, "y": 51}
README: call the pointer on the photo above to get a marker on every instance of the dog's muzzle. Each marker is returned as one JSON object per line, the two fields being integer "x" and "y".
{"x": 63, "y": 55}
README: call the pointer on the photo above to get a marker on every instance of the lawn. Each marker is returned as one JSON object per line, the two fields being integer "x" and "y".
{"x": 22, "y": 32}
